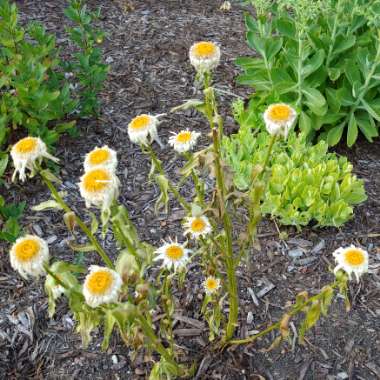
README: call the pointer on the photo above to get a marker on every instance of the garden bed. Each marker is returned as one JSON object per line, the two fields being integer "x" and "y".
{"x": 147, "y": 49}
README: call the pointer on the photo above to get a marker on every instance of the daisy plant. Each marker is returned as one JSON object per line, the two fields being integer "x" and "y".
{"x": 135, "y": 288}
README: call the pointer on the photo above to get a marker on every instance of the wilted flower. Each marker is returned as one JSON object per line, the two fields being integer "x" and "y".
{"x": 26, "y": 153}
{"x": 226, "y": 6}
{"x": 352, "y": 260}
{"x": 197, "y": 226}
{"x": 184, "y": 140}
{"x": 143, "y": 126}
{"x": 100, "y": 157}
{"x": 28, "y": 255}
{"x": 99, "y": 187}
{"x": 102, "y": 285}
{"x": 173, "y": 254}
{"x": 279, "y": 118}
{"x": 211, "y": 284}
{"x": 204, "y": 56}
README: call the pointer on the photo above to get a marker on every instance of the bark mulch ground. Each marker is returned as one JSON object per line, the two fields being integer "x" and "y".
{"x": 147, "y": 49}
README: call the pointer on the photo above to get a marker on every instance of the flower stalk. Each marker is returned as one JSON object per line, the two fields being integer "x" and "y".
{"x": 102, "y": 253}
{"x": 172, "y": 188}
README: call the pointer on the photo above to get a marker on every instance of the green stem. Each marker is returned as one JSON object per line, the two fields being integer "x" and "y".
{"x": 269, "y": 152}
{"x": 228, "y": 252}
{"x": 155, "y": 342}
{"x": 333, "y": 35}
{"x": 172, "y": 188}
{"x": 299, "y": 70}
{"x": 276, "y": 325}
{"x": 80, "y": 223}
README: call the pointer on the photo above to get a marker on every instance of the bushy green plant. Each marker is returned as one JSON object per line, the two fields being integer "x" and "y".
{"x": 306, "y": 184}
{"x": 38, "y": 90}
{"x": 89, "y": 71}
{"x": 9, "y": 217}
{"x": 322, "y": 56}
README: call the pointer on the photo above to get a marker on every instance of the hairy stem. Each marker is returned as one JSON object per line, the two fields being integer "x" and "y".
{"x": 102, "y": 253}
{"x": 276, "y": 325}
{"x": 228, "y": 252}
{"x": 172, "y": 188}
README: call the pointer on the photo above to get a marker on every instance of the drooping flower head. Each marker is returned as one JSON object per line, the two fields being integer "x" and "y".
{"x": 28, "y": 255}
{"x": 100, "y": 157}
{"x": 352, "y": 260}
{"x": 197, "y": 226}
{"x": 26, "y": 153}
{"x": 173, "y": 254}
{"x": 211, "y": 284}
{"x": 101, "y": 286}
{"x": 279, "y": 118}
{"x": 142, "y": 127}
{"x": 99, "y": 187}
{"x": 204, "y": 56}
{"x": 184, "y": 140}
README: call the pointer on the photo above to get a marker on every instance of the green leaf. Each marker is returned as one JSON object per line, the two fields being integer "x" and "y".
{"x": 313, "y": 63}
{"x": 352, "y": 132}
{"x": 314, "y": 97}
{"x": 304, "y": 123}
{"x": 257, "y": 43}
{"x": 272, "y": 47}
{"x": 343, "y": 43}
{"x": 3, "y": 162}
{"x": 335, "y": 134}
{"x": 287, "y": 28}
{"x": 370, "y": 110}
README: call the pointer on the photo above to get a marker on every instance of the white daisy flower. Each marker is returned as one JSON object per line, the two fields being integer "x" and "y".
{"x": 173, "y": 254}
{"x": 26, "y": 153}
{"x": 204, "y": 56}
{"x": 28, "y": 255}
{"x": 99, "y": 187}
{"x": 279, "y": 118}
{"x": 211, "y": 284}
{"x": 100, "y": 157}
{"x": 101, "y": 285}
{"x": 184, "y": 140}
{"x": 197, "y": 226}
{"x": 352, "y": 260}
{"x": 142, "y": 127}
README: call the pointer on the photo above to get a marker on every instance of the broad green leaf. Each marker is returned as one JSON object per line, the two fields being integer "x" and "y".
{"x": 272, "y": 47}
{"x": 370, "y": 110}
{"x": 313, "y": 63}
{"x": 304, "y": 123}
{"x": 286, "y": 28}
{"x": 314, "y": 96}
{"x": 343, "y": 43}
{"x": 335, "y": 134}
{"x": 352, "y": 132}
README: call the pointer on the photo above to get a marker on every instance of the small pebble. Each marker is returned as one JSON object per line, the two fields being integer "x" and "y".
{"x": 249, "y": 317}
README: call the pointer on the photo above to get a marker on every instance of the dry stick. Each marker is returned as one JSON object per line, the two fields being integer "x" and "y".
{"x": 79, "y": 221}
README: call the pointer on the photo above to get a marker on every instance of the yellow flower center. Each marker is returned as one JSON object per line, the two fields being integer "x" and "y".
{"x": 96, "y": 180}
{"x": 198, "y": 225}
{"x": 26, "y": 250}
{"x": 211, "y": 283}
{"x": 174, "y": 252}
{"x": 140, "y": 122}
{"x": 26, "y": 145}
{"x": 99, "y": 282}
{"x": 184, "y": 137}
{"x": 204, "y": 49}
{"x": 99, "y": 156}
{"x": 354, "y": 257}
{"x": 279, "y": 112}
